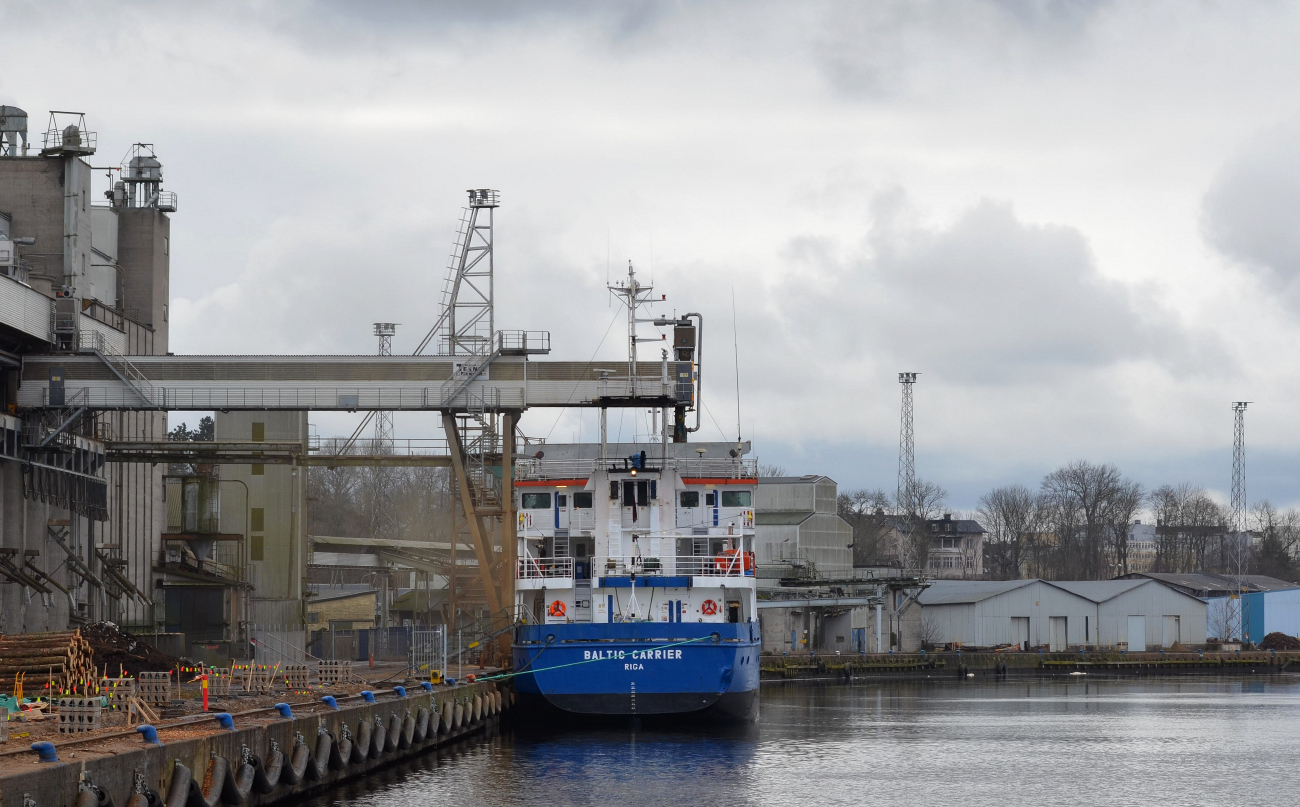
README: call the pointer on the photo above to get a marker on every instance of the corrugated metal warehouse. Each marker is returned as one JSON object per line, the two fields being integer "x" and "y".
{"x": 1271, "y": 611}
{"x": 1059, "y": 615}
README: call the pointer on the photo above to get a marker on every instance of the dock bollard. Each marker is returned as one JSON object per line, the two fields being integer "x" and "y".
{"x": 225, "y": 720}
{"x": 329, "y": 701}
{"x": 401, "y": 691}
{"x": 46, "y": 752}
{"x": 368, "y": 696}
{"x": 426, "y": 686}
{"x": 149, "y": 734}
{"x": 284, "y": 710}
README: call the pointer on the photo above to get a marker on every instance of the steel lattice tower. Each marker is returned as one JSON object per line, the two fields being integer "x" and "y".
{"x": 468, "y": 297}
{"x": 906, "y": 444}
{"x": 384, "y": 420}
{"x": 382, "y": 523}
{"x": 1239, "y": 466}
{"x": 1240, "y": 538}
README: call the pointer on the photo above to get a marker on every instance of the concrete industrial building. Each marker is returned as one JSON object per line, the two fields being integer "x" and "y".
{"x": 798, "y": 533}
{"x": 80, "y": 537}
{"x": 272, "y": 501}
{"x": 796, "y": 523}
{"x": 1057, "y": 615}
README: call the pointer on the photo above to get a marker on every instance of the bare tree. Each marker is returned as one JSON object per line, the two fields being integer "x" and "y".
{"x": 930, "y": 631}
{"x": 1082, "y": 504}
{"x": 869, "y": 513}
{"x": 1278, "y": 537}
{"x": 921, "y": 503}
{"x": 1187, "y": 521}
{"x": 772, "y": 470}
{"x": 1125, "y": 503}
{"x": 1013, "y": 515}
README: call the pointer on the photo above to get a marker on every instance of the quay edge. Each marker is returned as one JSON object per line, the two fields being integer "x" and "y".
{"x": 822, "y": 667}
{"x": 114, "y": 771}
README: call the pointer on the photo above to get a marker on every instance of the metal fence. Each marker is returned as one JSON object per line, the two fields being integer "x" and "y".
{"x": 429, "y": 652}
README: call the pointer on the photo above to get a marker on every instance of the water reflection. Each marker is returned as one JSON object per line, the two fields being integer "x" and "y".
{"x": 1067, "y": 740}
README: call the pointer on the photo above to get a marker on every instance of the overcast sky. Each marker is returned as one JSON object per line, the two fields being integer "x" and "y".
{"x": 1075, "y": 220}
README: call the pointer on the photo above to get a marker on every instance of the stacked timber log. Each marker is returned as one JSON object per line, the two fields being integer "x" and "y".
{"x": 48, "y": 663}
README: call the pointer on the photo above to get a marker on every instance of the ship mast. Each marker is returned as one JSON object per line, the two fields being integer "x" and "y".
{"x": 632, "y": 293}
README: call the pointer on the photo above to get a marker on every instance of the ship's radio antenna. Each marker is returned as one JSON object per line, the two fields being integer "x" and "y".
{"x": 735, "y": 349}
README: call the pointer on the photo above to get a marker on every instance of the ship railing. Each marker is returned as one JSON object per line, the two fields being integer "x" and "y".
{"x": 701, "y": 467}
{"x": 724, "y": 565}
{"x": 531, "y": 568}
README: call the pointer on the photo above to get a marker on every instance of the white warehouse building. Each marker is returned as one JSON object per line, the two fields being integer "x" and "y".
{"x": 1060, "y": 615}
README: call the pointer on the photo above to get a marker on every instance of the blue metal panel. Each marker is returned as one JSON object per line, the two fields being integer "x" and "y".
{"x": 645, "y": 582}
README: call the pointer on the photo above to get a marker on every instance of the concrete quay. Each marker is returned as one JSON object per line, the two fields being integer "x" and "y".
{"x": 262, "y": 757}
{"x": 823, "y": 667}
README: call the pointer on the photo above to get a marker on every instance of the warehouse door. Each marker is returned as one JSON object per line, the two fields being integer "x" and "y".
{"x": 1056, "y": 634}
{"x": 1020, "y": 630}
{"x": 1173, "y": 630}
{"x": 1137, "y": 633}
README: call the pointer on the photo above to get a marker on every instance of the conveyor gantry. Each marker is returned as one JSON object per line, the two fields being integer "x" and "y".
{"x": 342, "y": 383}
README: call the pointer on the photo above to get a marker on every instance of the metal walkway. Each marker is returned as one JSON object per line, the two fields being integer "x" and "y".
{"x": 342, "y": 383}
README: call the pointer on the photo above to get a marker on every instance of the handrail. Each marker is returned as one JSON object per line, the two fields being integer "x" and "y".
{"x": 534, "y": 568}
{"x": 727, "y": 564}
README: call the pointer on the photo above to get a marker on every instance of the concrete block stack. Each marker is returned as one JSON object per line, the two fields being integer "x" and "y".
{"x": 79, "y": 715}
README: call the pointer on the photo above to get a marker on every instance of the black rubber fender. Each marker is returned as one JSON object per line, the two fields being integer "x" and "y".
{"x": 208, "y": 794}
{"x": 379, "y": 740}
{"x": 361, "y": 745}
{"x": 239, "y": 783}
{"x": 447, "y": 714}
{"x": 394, "y": 738}
{"x": 92, "y": 796}
{"x": 341, "y": 757}
{"x": 178, "y": 791}
{"x": 267, "y": 775}
{"x": 325, "y": 758}
{"x": 421, "y": 724}
{"x": 292, "y": 773}
{"x": 408, "y": 733}
{"x": 146, "y": 799}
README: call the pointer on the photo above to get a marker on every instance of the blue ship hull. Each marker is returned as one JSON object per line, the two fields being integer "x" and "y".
{"x": 640, "y": 668}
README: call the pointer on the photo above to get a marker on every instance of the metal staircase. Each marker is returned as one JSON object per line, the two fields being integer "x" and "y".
{"x": 121, "y": 366}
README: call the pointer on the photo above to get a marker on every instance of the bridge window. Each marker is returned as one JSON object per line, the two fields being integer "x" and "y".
{"x": 582, "y": 500}
{"x": 690, "y": 498}
{"x": 537, "y": 501}
{"x": 736, "y": 498}
{"x": 709, "y": 499}
{"x": 562, "y": 499}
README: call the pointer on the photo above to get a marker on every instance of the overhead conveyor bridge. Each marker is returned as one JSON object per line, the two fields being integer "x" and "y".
{"x": 340, "y": 383}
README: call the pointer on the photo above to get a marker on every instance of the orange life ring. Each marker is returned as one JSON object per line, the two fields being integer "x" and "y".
{"x": 557, "y": 608}
{"x": 709, "y": 608}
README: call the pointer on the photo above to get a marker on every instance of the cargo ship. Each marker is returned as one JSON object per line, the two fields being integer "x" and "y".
{"x": 635, "y": 580}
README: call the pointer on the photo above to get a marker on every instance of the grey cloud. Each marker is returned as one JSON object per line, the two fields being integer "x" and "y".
{"x": 1249, "y": 212}
{"x": 883, "y": 49}
{"x": 988, "y": 299}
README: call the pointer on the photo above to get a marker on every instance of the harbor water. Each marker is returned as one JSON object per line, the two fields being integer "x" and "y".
{"x": 1069, "y": 740}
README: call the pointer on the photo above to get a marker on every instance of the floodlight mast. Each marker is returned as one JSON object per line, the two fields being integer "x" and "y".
{"x": 1241, "y": 537}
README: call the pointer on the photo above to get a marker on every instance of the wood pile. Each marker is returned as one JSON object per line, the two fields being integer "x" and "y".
{"x": 63, "y": 660}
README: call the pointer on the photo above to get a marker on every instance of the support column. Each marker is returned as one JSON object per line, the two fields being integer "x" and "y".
{"x": 482, "y": 550}
{"x": 509, "y": 530}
